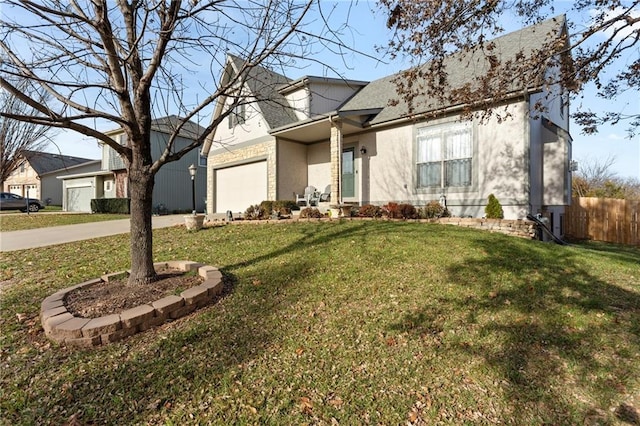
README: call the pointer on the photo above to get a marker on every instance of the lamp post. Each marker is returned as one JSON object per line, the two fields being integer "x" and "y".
{"x": 192, "y": 172}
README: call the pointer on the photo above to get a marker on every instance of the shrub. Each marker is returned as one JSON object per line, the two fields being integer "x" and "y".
{"x": 434, "y": 210}
{"x": 407, "y": 211}
{"x": 310, "y": 212}
{"x": 111, "y": 205}
{"x": 493, "y": 210}
{"x": 369, "y": 210}
{"x": 254, "y": 212}
{"x": 391, "y": 211}
{"x": 284, "y": 207}
{"x": 399, "y": 211}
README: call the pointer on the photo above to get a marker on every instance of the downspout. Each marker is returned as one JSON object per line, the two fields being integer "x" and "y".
{"x": 527, "y": 157}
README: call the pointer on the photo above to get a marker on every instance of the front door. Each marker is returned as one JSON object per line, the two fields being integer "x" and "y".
{"x": 348, "y": 173}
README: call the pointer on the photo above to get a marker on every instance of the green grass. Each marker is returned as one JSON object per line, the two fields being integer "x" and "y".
{"x": 22, "y": 221}
{"x": 355, "y": 322}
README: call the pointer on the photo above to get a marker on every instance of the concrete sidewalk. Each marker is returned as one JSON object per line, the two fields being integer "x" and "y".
{"x": 42, "y": 237}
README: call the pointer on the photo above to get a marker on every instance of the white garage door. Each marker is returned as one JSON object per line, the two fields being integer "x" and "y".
{"x": 79, "y": 199}
{"x": 241, "y": 186}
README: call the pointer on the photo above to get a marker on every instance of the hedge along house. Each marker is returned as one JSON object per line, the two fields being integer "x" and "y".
{"x": 172, "y": 189}
{"x": 318, "y": 131}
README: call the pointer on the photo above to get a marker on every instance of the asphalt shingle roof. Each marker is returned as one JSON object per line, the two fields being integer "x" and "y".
{"x": 462, "y": 68}
{"x": 45, "y": 162}
{"x": 168, "y": 124}
{"x": 264, "y": 84}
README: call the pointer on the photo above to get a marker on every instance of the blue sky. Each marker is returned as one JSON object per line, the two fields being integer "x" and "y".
{"x": 367, "y": 30}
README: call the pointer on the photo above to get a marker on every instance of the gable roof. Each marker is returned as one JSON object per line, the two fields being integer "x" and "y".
{"x": 462, "y": 68}
{"x": 169, "y": 123}
{"x": 45, "y": 162}
{"x": 265, "y": 85}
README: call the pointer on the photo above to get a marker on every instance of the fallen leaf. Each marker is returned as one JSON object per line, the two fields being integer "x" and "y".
{"x": 336, "y": 402}
{"x": 306, "y": 406}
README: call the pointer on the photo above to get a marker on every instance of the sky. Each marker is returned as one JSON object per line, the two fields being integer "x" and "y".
{"x": 367, "y": 30}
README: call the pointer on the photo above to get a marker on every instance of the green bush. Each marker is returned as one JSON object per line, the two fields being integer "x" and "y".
{"x": 493, "y": 210}
{"x": 111, "y": 205}
{"x": 434, "y": 210}
{"x": 369, "y": 210}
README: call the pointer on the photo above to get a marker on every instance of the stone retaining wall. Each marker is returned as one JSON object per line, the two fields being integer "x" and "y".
{"x": 61, "y": 326}
{"x": 518, "y": 228}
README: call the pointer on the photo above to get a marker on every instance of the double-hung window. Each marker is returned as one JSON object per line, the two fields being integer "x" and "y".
{"x": 237, "y": 116}
{"x": 444, "y": 156}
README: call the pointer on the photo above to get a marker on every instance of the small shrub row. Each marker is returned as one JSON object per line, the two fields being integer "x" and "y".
{"x": 267, "y": 209}
{"x": 404, "y": 211}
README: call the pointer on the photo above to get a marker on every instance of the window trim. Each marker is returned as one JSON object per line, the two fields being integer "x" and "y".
{"x": 237, "y": 116}
{"x": 446, "y": 123}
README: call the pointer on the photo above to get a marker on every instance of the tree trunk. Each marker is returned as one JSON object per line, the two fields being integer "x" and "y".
{"x": 141, "y": 191}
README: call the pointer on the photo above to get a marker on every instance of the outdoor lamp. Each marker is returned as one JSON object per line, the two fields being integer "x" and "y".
{"x": 363, "y": 150}
{"x": 192, "y": 172}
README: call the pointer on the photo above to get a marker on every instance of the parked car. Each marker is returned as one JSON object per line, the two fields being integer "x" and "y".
{"x": 9, "y": 201}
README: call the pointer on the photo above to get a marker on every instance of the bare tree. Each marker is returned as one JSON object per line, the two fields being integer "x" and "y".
{"x": 595, "y": 178}
{"x": 428, "y": 31}
{"x": 127, "y": 62}
{"x": 18, "y": 136}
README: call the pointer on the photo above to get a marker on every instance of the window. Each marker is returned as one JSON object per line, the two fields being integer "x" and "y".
{"x": 444, "y": 156}
{"x": 237, "y": 116}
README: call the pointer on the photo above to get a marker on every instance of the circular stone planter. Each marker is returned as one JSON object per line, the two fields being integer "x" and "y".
{"x": 62, "y": 326}
{"x": 194, "y": 222}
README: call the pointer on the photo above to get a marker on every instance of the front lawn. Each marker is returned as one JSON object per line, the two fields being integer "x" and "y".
{"x": 341, "y": 323}
{"x": 21, "y": 221}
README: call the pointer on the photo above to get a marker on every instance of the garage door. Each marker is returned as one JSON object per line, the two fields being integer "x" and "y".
{"x": 239, "y": 187}
{"x": 79, "y": 199}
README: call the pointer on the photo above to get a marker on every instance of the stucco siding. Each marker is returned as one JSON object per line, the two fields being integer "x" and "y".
{"x": 291, "y": 169}
{"x": 499, "y": 166}
{"x": 299, "y": 102}
{"x": 253, "y": 127}
{"x": 328, "y": 97}
{"x": 319, "y": 171}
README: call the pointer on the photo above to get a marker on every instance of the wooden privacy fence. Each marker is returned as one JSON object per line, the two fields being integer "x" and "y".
{"x": 604, "y": 219}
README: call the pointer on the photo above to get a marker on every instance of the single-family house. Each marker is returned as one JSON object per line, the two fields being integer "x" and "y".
{"x": 37, "y": 174}
{"x": 172, "y": 191}
{"x": 318, "y": 131}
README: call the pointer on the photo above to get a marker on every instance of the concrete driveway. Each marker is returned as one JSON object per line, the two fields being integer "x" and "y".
{"x": 42, "y": 237}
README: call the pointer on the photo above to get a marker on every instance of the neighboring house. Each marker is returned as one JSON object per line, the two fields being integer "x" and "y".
{"x": 320, "y": 131}
{"x": 172, "y": 189}
{"x": 37, "y": 175}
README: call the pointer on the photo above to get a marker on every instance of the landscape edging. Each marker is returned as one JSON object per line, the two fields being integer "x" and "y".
{"x": 63, "y": 327}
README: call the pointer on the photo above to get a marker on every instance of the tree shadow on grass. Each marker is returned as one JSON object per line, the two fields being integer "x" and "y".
{"x": 170, "y": 367}
{"x": 543, "y": 324}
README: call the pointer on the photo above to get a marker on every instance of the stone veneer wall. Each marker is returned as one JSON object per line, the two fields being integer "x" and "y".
{"x": 63, "y": 327}
{"x": 517, "y": 228}
{"x": 236, "y": 157}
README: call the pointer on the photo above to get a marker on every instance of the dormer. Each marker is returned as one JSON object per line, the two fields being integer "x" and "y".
{"x": 310, "y": 96}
